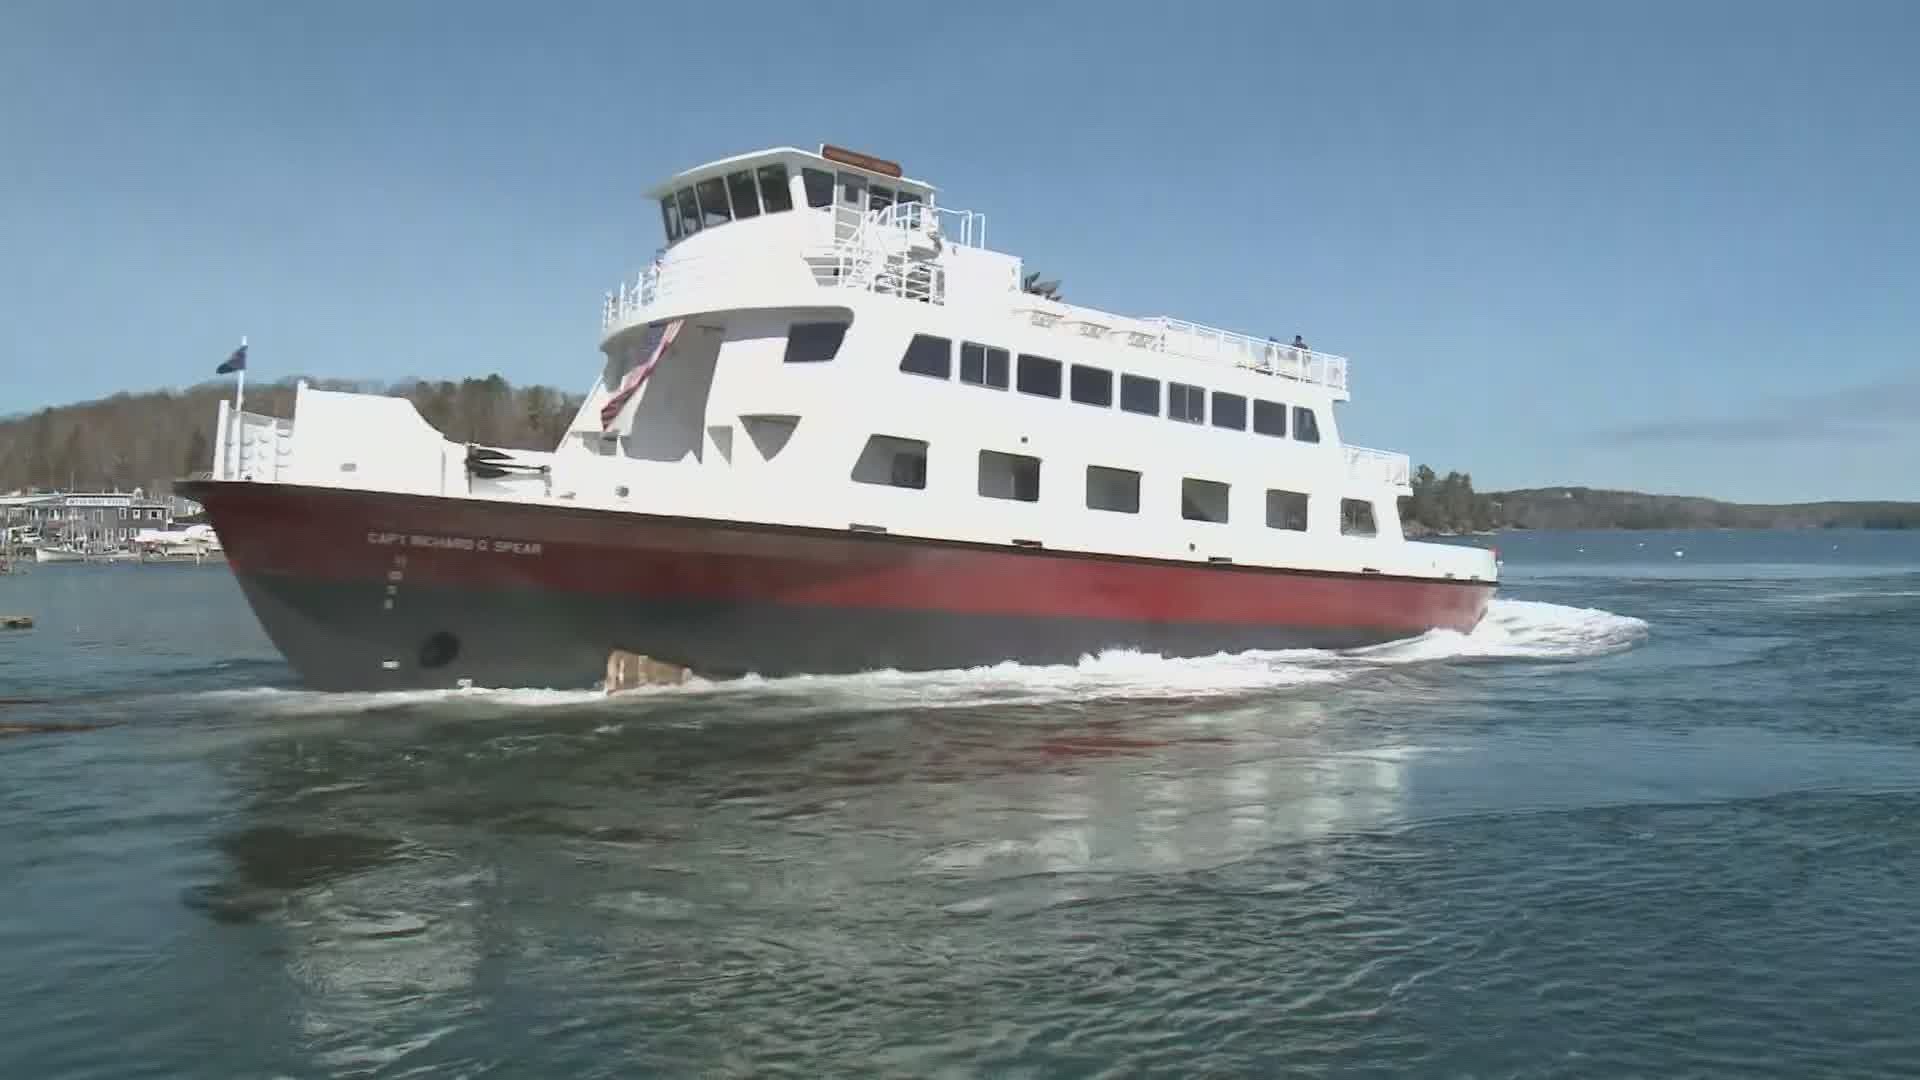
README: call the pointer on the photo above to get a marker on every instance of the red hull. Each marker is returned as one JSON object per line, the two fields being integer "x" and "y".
{"x": 395, "y": 554}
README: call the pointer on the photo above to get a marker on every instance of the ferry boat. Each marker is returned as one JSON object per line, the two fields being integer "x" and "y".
{"x": 833, "y": 430}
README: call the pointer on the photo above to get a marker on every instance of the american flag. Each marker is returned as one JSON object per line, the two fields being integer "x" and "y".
{"x": 664, "y": 336}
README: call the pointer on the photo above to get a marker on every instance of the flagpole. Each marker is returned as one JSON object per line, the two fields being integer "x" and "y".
{"x": 240, "y": 388}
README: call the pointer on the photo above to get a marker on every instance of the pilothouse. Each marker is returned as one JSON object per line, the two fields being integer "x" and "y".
{"x": 833, "y": 431}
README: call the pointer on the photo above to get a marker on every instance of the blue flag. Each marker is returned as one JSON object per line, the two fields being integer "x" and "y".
{"x": 236, "y": 362}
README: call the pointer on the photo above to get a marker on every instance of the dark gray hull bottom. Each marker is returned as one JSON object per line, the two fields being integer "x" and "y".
{"x": 343, "y": 637}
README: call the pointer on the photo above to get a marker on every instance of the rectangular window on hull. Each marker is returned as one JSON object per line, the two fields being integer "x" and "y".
{"x": 1091, "y": 385}
{"x": 712, "y": 194}
{"x": 892, "y": 462}
{"x": 746, "y": 197}
{"x": 983, "y": 365}
{"x": 1009, "y": 476}
{"x": 816, "y": 342}
{"x": 1039, "y": 375}
{"x": 1356, "y": 518}
{"x": 819, "y": 185}
{"x": 1269, "y": 418}
{"x": 1306, "y": 427}
{"x": 775, "y": 195}
{"x": 928, "y": 355}
{"x": 1186, "y": 403}
{"x": 1229, "y": 411}
{"x": 1203, "y": 500}
{"x": 1286, "y": 510}
{"x": 1139, "y": 394}
{"x": 1117, "y": 490}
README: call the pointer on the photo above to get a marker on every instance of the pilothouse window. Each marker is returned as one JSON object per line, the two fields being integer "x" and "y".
{"x": 819, "y": 185}
{"x": 746, "y": 200}
{"x": 670, "y": 217}
{"x": 775, "y": 195}
{"x": 713, "y": 201}
{"x": 689, "y": 211}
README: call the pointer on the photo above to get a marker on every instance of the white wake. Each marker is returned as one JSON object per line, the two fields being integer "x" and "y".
{"x": 1513, "y": 629}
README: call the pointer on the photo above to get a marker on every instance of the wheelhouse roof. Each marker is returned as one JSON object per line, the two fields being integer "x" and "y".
{"x": 790, "y": 154}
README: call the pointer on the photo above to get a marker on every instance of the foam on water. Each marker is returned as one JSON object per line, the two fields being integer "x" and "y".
{"x": 1513, "y": 629}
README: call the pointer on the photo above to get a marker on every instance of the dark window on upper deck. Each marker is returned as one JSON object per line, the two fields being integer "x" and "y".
{"x": 746, "y": 199}
{"x": 1269, "y": 417}
{"x": 1009, "y": 476}
{"x": 1306, "y": 426}
{"x": 891, "y": 461}
{"x": 1356, "y": 518}
{"x": 1229, "y": 411}
{"x": 1139, "y": 394}
{"x": 775, "y": 195}
{"x": 819, "y": 184}
{"x": 1039, "y": 375}
{"x": 1186, "y": 403}
{"x": 928, "y": 355}
{"x": 689, "y": 211}
{"x": 814, "y": 342}
{"x": 1203, "y": 500}
{"x": 1090, "y": 385}
{"x": 1286, "y": 510}
{"x": 853, "y": 190}
{"x": 983, "y": 365}
{"x": 879, "y": 198}
{"x": 712, "y": 193}
{"x": 1116, "y": 490}
{"x": 670, "y": 218}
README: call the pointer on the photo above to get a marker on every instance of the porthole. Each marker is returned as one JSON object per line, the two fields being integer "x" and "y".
{"x": 439, "y": 650}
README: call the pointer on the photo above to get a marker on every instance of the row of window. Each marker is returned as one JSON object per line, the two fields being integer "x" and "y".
{"x": 95, "y": 513}
{"x": 985, "y": 365}
{"x": 898, "y": 462}
{"x": 751, "y": 192}
{"x": 720, "y": 199}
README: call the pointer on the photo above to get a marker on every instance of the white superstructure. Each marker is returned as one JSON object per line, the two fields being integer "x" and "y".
{"x": 851, "y": 355}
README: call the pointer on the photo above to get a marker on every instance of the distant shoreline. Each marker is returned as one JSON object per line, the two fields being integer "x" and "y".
{"x": 1570, "y": 508}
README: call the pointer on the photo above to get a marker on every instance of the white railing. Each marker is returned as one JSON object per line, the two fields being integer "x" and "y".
{"x": 894, "y": 250}
{"x": 1264, "y": 355}
{"x": 1192, "y": 341}
{"x": 661, "y": 282}
{"x": 1378, "y": 466}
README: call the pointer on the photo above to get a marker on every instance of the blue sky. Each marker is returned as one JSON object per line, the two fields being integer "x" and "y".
{"x": 1668, "y": 246}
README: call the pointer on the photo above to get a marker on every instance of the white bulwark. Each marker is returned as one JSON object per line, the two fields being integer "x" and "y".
{"x": 852, "y": 355}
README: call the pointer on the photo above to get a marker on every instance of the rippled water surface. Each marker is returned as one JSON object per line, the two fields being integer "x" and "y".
{"x": 1660, "y": 815}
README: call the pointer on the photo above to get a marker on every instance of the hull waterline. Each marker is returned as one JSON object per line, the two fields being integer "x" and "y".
{"x": 366, "y": 590}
